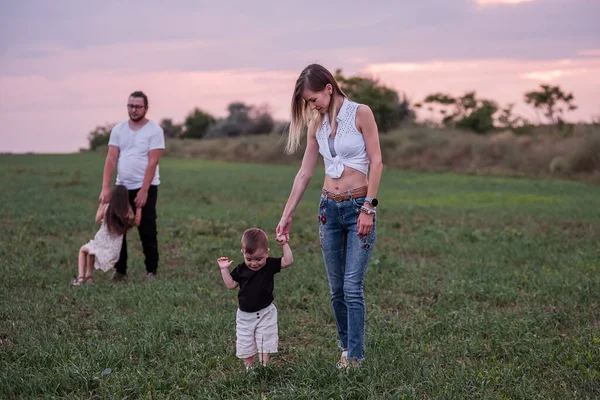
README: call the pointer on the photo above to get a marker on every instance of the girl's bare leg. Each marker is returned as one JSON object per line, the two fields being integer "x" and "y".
{"x": 83, "y": 252}
{"x": 89, "y": 271}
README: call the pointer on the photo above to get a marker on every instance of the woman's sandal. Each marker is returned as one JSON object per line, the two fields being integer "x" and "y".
{"x": 343, "y": 363}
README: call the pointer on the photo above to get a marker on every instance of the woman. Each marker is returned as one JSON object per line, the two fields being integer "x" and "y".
{"x": 345, "y": 134}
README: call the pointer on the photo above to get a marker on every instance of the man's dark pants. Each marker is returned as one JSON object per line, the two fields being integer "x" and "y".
{"x": 147, "y": 232}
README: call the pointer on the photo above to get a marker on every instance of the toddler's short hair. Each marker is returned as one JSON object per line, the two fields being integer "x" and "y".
{"x": 254, "y": 239}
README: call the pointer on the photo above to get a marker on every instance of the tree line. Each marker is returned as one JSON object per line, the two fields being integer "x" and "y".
{"x": 468, "y": 112}
{"x": 484, "y": 115}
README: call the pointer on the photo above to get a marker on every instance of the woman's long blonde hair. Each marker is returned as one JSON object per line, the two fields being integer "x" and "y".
{"x": 314, "y": 78}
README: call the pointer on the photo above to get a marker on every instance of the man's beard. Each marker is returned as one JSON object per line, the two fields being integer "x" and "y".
{"x": 138, "y": 119}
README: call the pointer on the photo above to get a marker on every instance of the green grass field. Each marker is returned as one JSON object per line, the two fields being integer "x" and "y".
{"x": 479, "y": 287}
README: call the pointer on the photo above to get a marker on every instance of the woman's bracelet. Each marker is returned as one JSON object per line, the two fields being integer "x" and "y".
{"x": 366, "y": 210}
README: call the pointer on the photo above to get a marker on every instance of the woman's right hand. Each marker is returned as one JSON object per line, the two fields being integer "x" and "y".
{"x": 284, "y": 227}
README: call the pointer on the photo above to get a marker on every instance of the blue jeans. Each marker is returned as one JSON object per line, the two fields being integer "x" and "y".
{"x": 346, "y": 257}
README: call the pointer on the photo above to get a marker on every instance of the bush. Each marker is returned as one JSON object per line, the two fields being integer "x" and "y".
{"x": 243, "y": 120}
{"x": 196, "y": 124}
{"x": 560, "y": 165}
{"x": 586, "y": 156}
{"x": 99, "y": 136}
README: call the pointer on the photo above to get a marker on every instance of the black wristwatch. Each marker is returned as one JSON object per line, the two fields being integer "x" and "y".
{"x": 372, "y": 201}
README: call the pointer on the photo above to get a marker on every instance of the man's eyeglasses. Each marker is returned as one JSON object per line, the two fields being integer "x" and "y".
{"x": 135, "y": 107}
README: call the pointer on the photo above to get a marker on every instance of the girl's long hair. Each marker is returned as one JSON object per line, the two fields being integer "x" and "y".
{"x": 118, "y": 214}
{"x": 314, "y": 78}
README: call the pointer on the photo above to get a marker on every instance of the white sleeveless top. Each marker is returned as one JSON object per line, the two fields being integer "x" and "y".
{"x": 349, "y": 143}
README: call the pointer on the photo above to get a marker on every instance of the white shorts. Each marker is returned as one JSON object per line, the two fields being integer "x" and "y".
{"x": 256, "y": 332}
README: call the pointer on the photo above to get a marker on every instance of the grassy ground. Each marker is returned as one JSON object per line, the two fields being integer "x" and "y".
{"x": 479, "y": 287}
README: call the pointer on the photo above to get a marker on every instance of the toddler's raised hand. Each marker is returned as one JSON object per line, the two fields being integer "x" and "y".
{"x": 224, "y": 262}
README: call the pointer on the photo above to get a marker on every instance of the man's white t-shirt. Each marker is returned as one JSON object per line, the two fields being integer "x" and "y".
{"x": 134, "y": 147}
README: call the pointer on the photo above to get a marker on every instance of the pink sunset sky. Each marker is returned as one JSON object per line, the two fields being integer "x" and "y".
{"x": 67, "y": 66}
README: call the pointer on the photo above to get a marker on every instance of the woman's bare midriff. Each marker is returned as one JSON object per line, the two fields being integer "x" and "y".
{"x": 350, "y": 179}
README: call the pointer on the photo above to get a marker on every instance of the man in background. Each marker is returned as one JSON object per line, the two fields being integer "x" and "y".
{"x": 135, "y": 147}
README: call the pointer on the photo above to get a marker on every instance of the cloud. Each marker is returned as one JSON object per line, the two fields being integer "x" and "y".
{"x": 496, "y": 2}
{"x": 546, "y": 76}
{"x": 70, "y": 37}
{"x": 53, "y": 60}
{"x": 589, "y": 52}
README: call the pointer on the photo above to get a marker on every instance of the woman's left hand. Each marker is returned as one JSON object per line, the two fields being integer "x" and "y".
{"x": 365, "y": 223}
{"x": 284, "y": 227}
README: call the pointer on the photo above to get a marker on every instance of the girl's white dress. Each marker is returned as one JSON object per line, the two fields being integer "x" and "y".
{"x": 106, "y": 246}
